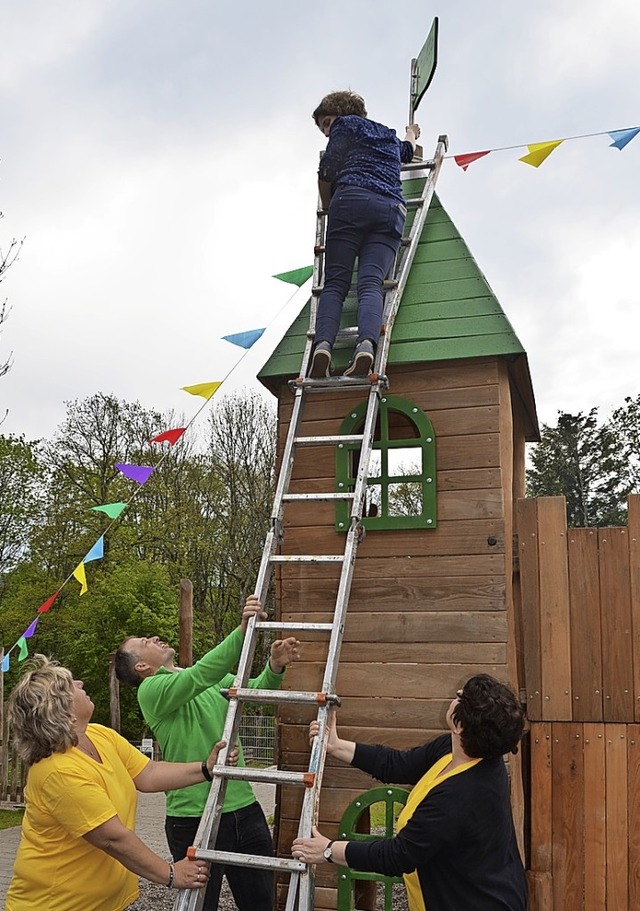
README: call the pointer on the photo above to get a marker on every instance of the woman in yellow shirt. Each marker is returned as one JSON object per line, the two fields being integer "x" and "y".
{"x": 78, "y": 850}
{"x": 455, "y": 844}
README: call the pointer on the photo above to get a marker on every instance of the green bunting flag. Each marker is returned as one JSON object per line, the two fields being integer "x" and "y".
{"x": 113, "y": 510}
{"x": 296, "y": 276}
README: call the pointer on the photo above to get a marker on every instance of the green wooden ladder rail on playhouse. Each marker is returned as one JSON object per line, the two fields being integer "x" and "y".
{"x": 421, "y": 177}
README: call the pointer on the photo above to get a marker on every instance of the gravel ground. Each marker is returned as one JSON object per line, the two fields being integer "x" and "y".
{"x": 159, "y": 898}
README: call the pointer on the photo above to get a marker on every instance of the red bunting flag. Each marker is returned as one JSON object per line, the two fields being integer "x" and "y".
{"x": 464, "y": 161}
{"x": 169, "y": 436}
{"x": 48, "y": 604}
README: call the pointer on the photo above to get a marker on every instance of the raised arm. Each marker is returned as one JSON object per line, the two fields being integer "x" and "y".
{"x": 169, "y": 776}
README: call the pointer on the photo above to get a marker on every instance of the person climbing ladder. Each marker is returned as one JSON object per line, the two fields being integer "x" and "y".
{"x": 359, "y": 184}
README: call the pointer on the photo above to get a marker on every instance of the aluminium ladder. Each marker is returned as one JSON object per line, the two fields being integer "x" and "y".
{"x": 300, "y": 893}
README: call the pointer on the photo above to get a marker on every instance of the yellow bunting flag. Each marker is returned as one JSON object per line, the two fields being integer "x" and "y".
{"x": 80, "y": 574}
{"x": 206, "y": 390}
{"x": 539, "y": 151}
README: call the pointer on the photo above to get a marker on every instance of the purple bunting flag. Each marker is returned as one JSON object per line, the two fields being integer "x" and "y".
{"x": 137, "y": 473}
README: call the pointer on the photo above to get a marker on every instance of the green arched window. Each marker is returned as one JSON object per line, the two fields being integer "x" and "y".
{"x": 401, "y": 487}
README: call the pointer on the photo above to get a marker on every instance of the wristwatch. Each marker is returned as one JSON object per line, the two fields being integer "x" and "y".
{"x": 328, "y": 853}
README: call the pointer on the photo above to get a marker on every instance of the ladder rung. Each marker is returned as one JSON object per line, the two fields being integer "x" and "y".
{"x": 247, "y": 860}
{"x": 280, "y": 697}
{"x": 265, "y": 776}
{"x": 339, "y": 382}
{"x": 292, "y": 497}
{"x": 292, "y": 626}
{"x": 417, "y": 165}
{"x": 415, "y": 203}
{"x": 307, "y": 558}
{"x": 330, "y": 440}
{"x": 346, "y": 334}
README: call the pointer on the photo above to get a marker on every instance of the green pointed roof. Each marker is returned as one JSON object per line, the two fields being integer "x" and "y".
{"x": 448, "y": 311}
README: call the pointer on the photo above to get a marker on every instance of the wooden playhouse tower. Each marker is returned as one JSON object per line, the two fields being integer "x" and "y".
{"x": 432, "y": 600}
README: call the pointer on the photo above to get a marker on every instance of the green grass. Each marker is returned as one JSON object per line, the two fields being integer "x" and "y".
{"x": 10, "y": 818}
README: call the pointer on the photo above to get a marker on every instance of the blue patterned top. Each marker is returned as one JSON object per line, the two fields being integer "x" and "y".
{"x": 363, "y": 153}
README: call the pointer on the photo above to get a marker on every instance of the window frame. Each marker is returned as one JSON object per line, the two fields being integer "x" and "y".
{"x": 424, "y": 440}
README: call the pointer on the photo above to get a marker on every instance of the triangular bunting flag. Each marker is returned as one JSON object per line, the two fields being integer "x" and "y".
{"x": 5, "y": 663}
{"x": 96, "y": 552}
{"x": 137, "y": 473}
{"x": 113, "y": 510}
{"x": 621, "y": 138}
{"x": 465, "y": 160}
{"x": 539, "y": 151}
{"x": 30, "y": 630}
{"x": 296, "y": 276}
{"x": 80, "y": 574}
{"x": 206, "y": 390}
{"x": 244, "y": 339}
{"x": 48, "y": 603}
{"x": 168, "y": 436}
{"x": 23, "y": 648}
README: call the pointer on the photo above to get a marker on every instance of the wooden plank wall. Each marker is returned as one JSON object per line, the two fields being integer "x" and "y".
{"x": 580, "y": 597}
{"x": 428, "y": 608}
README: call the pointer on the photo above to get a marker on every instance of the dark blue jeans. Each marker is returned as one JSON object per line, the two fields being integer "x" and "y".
{"x": 245, "y": 831}
{"x": 368, "y": 226}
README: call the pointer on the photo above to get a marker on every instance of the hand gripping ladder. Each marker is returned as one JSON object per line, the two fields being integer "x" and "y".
{"x": 300, "y": 892}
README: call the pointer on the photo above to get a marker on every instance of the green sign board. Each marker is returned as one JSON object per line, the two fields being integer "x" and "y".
{"x": 424, "y": 66}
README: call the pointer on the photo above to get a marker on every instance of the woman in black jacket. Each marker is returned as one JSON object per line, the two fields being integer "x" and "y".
{"x": 455, "y": 843}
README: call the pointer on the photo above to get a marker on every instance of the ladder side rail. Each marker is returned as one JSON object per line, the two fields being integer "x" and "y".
{"x": 318, "y": 282}
{"x": 286, "y": 463}
{"x": 410, "y": 251}
{"x": 365, "y": 452}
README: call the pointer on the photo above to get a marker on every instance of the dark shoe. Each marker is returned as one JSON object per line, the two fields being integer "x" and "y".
{"x": 321, "y": 361}
{"x": 362, "y": 360}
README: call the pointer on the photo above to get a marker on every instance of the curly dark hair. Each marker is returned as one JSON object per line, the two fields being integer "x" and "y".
{"x": 338, "y": 104}
{"x": 490, "y": 717}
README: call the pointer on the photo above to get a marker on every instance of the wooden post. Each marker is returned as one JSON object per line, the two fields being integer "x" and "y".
{"x": 114, "y": 695}
{"x": 186, "y": 623}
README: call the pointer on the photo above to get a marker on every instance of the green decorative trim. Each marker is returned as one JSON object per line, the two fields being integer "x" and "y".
{"x": 348, "y": 824}
{"x": 404, "y": 498}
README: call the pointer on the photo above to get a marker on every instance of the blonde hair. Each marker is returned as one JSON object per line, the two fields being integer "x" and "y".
{"x": 41, "y": 710}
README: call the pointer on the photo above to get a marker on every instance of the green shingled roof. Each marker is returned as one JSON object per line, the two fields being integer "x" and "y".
{"x": 447, "y": 310}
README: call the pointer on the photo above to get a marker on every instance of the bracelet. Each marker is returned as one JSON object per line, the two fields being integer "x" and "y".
{"x": 172, "y": 874}
{"x": 205, "y": 771}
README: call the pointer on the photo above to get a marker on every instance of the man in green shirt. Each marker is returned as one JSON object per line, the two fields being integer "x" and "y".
{"x": 186, "y": 710}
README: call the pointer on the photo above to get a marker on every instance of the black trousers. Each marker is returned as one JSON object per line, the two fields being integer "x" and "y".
{"x": 245, "y": 831}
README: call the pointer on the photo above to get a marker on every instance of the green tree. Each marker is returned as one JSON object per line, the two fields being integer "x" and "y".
{"x": 81, "y": 631}
{"x": 625, "y": 426}
{"x": 582, "y": 461}
{"x": 20, "y": 490}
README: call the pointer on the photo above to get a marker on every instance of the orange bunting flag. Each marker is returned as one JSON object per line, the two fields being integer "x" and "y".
{"x": 80, "y": 574}
{"x": 48, "y": 603}
{"x": 169, "y": 436}
{"x": 539, "y": 151}
{"x": 464, "y": 161}
{"x": 206, "y": 390}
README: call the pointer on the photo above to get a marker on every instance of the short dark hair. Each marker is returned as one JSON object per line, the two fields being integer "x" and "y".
{"x": 340, "y": 103}
{"x": 124, "y": 662}
{"x": 490, "y": 717}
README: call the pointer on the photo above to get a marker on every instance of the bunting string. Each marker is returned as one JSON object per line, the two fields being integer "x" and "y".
{"x": 140, "y": 474}
{"x": 539, "y": 151}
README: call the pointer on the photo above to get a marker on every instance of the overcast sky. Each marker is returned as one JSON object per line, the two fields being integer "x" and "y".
{"x": 160, "y": 160}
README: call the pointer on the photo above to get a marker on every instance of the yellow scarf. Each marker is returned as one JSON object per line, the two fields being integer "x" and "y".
{"x": 428, "y": 781}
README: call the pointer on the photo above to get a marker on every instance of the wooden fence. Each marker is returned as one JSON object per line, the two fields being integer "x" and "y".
{"x": 580, "y": 625}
